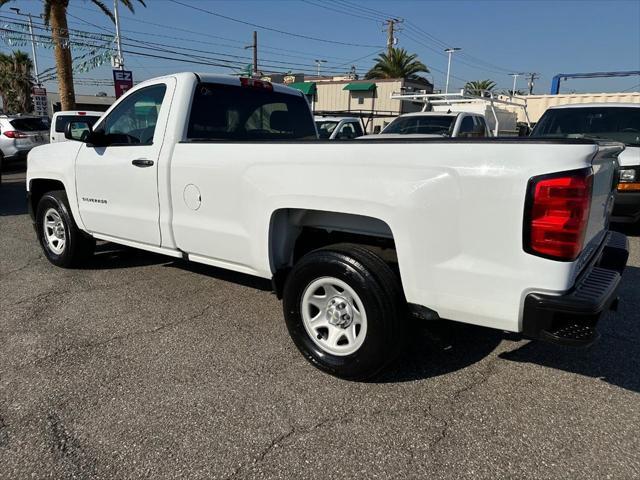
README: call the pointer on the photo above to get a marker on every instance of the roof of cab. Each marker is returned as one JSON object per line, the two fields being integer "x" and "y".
{"x": 430, "y": 114}
{"x": 225, "y": 80}
{"x": 322, "y": 118}
{"x": 591, "y": 105}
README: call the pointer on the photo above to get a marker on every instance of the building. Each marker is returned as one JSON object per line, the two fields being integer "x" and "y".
{"x": 83, "y": 102}
{"x": 370, "y": 99}
{"x": 538, "y": 104}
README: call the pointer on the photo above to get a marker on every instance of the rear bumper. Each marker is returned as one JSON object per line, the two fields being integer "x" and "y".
{"x": 570, "y": 319}
{"x": 626, "y": 208}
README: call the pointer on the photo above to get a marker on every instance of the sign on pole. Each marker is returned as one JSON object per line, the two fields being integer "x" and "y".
{"x": 39, "y": 98}
{"x": 122, "y": 81}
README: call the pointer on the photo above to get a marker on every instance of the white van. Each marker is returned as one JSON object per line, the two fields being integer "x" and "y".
{"x": 60, "y": 121}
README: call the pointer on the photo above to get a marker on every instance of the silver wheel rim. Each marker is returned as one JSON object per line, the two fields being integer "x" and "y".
{"x": 334, "y": 316}
{"x": 54, "y": 232}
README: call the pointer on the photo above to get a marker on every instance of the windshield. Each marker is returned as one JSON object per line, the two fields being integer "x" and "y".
{"x": 326, "y": 128}
{"x": 29, "y": 124}
{"x": 429, "y": 124}
{"x": 621, "y": 124}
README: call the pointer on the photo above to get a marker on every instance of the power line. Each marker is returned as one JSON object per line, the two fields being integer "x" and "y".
{"x": 160, "y": 47}
{"x": 270, "y": 29}
{"x": 308, "y": 55}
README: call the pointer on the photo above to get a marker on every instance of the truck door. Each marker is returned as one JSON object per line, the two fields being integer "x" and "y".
{"x": 117, "y": 184}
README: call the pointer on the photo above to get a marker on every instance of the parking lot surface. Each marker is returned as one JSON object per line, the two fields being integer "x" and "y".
{"x": 140, "y": 366}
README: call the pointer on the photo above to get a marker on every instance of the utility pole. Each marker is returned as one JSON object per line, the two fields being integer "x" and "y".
{"x": 450, "y": 51}
{"x": 33, "y": 43}
{"x": 254, "y": 47}
{"x": 118, "y": 42}
{"x": 255, "y": 53}
{"x": 532, "y": 78}
{"x": 391, "y": 38}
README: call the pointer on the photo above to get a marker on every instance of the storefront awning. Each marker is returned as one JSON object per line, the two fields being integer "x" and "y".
{"x": 360, "y": 86}
{"x": 308, "y": 88}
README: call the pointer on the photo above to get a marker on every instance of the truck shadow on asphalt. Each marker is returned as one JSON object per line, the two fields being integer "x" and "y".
{"x": 614, "y": 358}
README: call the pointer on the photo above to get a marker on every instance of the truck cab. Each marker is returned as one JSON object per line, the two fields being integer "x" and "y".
{"x": 436, "y": 124}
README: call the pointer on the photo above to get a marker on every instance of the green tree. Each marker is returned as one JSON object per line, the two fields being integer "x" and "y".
{"x": 55, "y": 16}
{"x": 397, "y": 63}
{"x": 16, "y": 80}
{"x": 477, "y": 87}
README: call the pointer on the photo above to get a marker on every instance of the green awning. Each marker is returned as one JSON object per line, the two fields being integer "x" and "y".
{"x": 308, "y": 88}
{"x": 360, "y": 86}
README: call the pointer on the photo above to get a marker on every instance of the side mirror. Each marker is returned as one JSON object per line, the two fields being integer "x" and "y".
{"x": 78, "y": 131}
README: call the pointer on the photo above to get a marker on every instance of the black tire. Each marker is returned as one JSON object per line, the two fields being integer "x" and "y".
{"x": 1, "y": 166}
{"x": 78, "y": 245}
{"x": 381, "y": 294}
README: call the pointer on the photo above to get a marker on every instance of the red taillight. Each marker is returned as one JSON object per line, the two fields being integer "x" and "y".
{"x": 557, "y": 214}
{"x": 82, "y": 113}
{"x": 14, "y": 134}
{"x": 256, "y": 84}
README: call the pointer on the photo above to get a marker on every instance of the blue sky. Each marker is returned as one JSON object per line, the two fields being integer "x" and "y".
{"x": 496, "y": 37}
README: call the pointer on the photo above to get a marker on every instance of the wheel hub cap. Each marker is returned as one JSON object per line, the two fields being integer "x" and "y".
{"x": 334, "y": 316}
{"x": 339, "y": 312}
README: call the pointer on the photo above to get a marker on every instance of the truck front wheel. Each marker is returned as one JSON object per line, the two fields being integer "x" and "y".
{"x": 63, "y": 243}
{"x": 344, "y": 307}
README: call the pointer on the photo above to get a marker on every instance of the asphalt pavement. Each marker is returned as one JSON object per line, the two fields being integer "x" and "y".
{"x": 140, "y": 366}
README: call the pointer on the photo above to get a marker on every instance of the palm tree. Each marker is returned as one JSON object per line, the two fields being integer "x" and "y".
{"x": 55, "y": 16}
{"x": 478, "y": 87}
{"x": 15, "y": 82}
{"x": 397, "y": 63}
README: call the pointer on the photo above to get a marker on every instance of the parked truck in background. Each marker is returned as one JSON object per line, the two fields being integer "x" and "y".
{"x": 338, "y": 128}
{"x": 618, "y": 122}
{"x": 436, "y": 124}
{"x": 61, "y": 119}
{"x": 354, "y": 236}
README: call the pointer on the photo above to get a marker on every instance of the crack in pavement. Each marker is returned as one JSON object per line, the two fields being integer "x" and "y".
{"x": 91, "y": 345}
{"x": 23, "y": 267}
{"x": 68, "y": 449}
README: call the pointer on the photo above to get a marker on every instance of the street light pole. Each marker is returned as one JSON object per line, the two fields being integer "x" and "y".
{"x": 33, "y": 44}
{"x": 118, "y": 42}
{"x": 450, "y": 52}
{"x": 318, "y": 62}
{"x": 515, "y": 78}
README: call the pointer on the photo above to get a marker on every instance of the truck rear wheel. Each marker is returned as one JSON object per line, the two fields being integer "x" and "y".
{"x": 344, "y": 308}
{"x": 63, "y": 243}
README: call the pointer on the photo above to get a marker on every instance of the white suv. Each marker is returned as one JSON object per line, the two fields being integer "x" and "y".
{"x": 19, "y": 134}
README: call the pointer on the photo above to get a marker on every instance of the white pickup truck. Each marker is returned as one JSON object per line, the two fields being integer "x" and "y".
{"x": 229, "y": 172}
{"x": 436, "y": 124}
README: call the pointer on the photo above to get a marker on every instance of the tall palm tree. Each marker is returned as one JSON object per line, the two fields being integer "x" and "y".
{"x": 55, "y": 16}
{"x": 477, "y": 87}
{"x": 397, "y": 63}
{"x": 16, "y": 81}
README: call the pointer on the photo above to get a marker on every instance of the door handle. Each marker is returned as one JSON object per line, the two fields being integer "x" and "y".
{"x": 142, "y": 162}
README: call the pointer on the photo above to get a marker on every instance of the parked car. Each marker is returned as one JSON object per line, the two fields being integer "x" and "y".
{"x": 436, "y": 124}
{"x": 62, "y": 119}
{"x": 344, "y": 128}
{"x": 228, "y": 172}
{"x": 18, "y": 135}
{"x": 608, "y": 121}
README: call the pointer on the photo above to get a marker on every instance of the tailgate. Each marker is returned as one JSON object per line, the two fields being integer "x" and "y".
{"x": 605, "y": 166}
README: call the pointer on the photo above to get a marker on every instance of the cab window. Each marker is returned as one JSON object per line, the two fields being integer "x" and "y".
{"x": 466, "y": 127}
{"x": 133, "y": 121}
